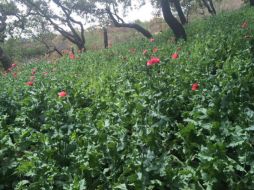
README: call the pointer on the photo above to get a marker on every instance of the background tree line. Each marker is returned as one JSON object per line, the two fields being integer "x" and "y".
{"x": 38, "y": 19}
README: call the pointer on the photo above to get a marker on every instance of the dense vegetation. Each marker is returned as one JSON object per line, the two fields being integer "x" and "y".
{"x": 22, "y": 51}
{"x": 142, "y": 115}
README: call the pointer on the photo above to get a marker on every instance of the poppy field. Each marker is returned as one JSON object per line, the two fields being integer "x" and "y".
{"x": 147, "y": 114}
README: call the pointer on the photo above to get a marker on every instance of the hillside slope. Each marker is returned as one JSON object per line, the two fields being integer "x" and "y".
{"x": 141, "y": 115}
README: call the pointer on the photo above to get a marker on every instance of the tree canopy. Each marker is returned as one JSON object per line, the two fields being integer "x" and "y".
{"x": 61, "y": 16}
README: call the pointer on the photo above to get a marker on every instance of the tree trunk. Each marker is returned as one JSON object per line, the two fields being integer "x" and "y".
{"x": 251, "y": 2}
{"x": 210, "y": 10}
{"x": 212, "y": 6}
{"x": 50, "y": 50}
{"x": 54, "y": 50}
{"x": 81, "y": 46}
{"x": 172, "y": 22}
{"x": 135, "y": 26}
{"x": 252, "y": 48}
{"x": 140, "y": 29}
{"x": 180, "y": 11}
{"x": 59, "y": 52}
{"x": 105, "y": 35}
{"x": 187, "y": 14}
{"x": 5, "y": 59}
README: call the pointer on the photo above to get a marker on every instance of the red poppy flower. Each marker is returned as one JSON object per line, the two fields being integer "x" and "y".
{"x": 175, "y": 56}
{"x": 62, "y": 94}
{"x": 245, "y": 24}
{"x": 151, "y": 40}
{"x": 71, "y": 56}
{"x": 145, "y": 52}
{"x": 155, "y": 50}
{"x": 195, "y": 86}
{"x": 13, "y": 65}
{"x": 29, "y": 83}
{"x": 14, "y": 75}
{"x": 153, "y": 61}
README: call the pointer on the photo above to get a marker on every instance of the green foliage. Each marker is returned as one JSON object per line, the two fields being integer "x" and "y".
{"x": 7, "y": 9}
{"x": 124, "y": 125}
{"x": 21, "y": 49}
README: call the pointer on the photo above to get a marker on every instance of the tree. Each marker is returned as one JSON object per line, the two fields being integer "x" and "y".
{"x": 64, "y": 22}
{"x": 210, "y": 7}
{"x": 105, "y": 37}
{"x": 46, "y": 38}
{"x": 38, "y": 29}
{"x": 119, "y": 22}
{"x": 172, "y": 22}
{"x": 5, "y": 59}
{"x": 179, "y": 11}
{"x": 6, "y": 9}
{"x": 251, "y": 2}
{"x": 165, "y": 6}
{"x": 110, "y": 9}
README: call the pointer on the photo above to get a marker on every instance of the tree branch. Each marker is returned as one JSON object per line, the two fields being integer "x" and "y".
{"x": 67, "y": 13}
{"x": 129, "y": 25}
{"x": 73, "y": 36}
